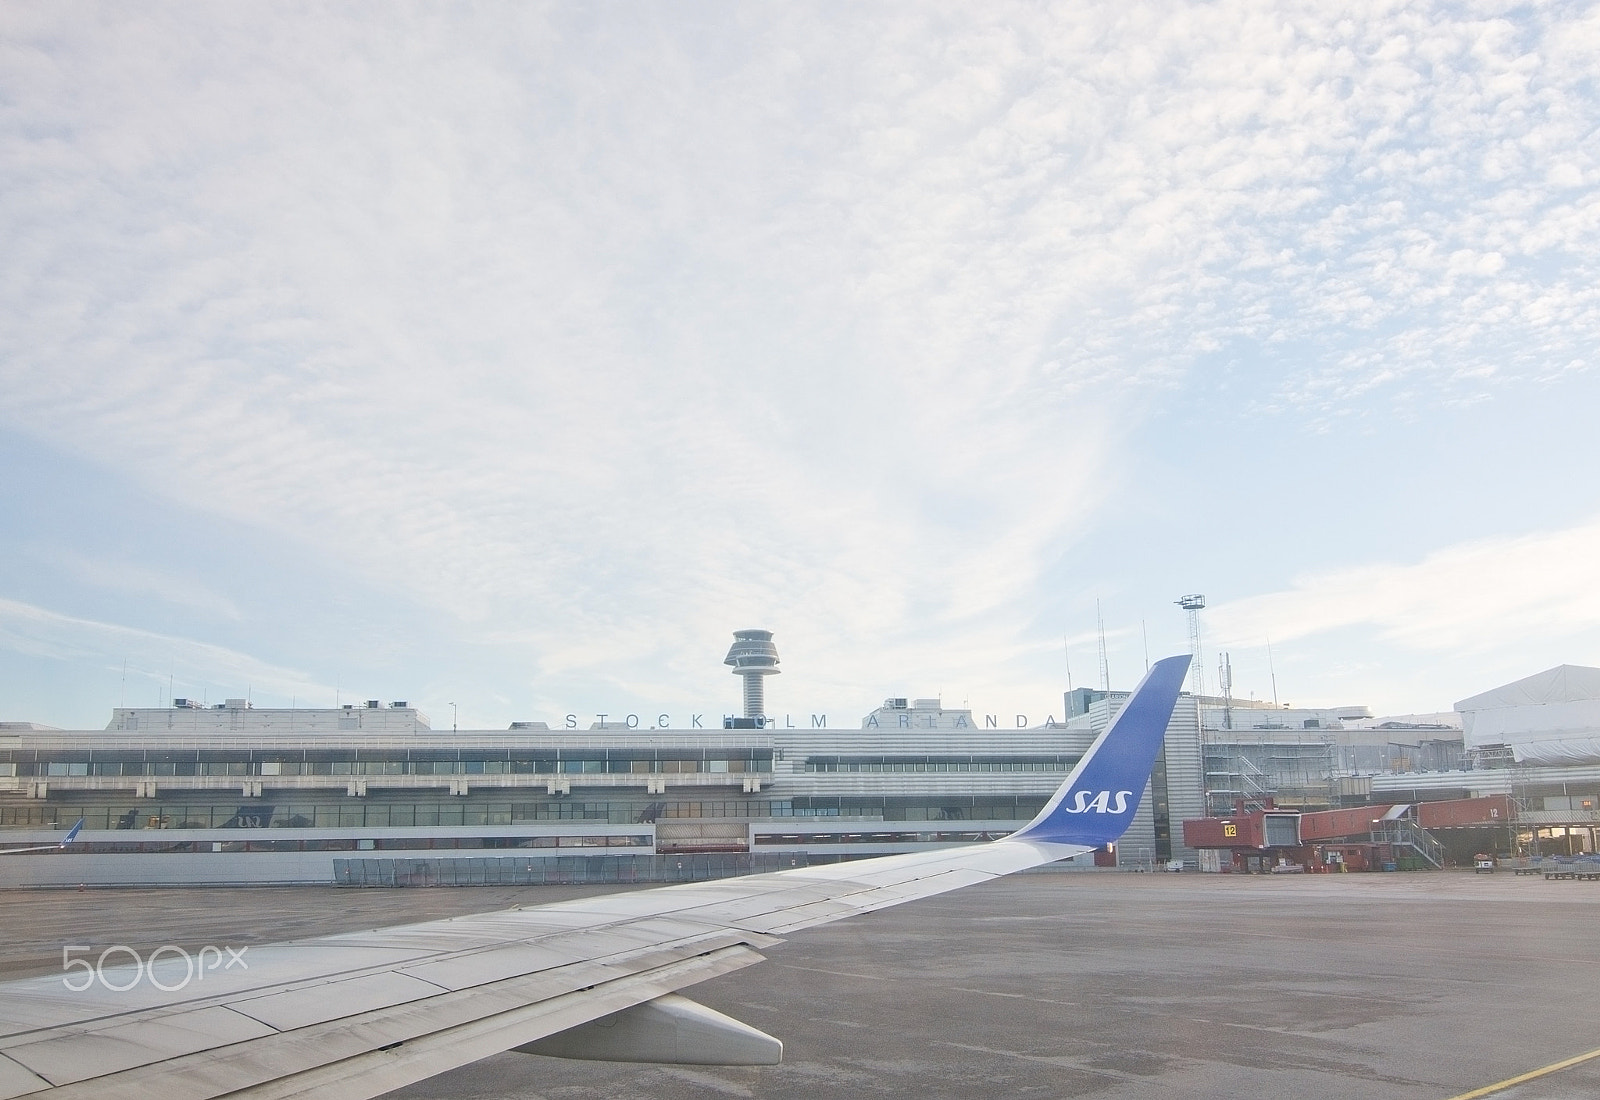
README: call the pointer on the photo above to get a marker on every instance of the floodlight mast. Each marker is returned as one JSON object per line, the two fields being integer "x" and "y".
{"x": 1192, "y": 605}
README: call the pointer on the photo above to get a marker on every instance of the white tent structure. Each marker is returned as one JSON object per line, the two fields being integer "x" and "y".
{"x": 1551, "y": 717}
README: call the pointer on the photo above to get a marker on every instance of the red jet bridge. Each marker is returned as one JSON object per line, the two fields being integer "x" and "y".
{"x": 1362, "y": 838}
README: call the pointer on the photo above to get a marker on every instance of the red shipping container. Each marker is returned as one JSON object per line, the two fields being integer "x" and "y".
{"x": 1494, "y": 809}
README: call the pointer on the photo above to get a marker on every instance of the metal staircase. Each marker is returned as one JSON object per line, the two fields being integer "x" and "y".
{"x": 1403, "y": 833}
{"x": 1253, "y": 779}
{"x": 1236, "y": 780}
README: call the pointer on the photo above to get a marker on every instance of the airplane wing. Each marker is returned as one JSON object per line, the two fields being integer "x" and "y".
{"x": 360, "y": 1014}
{"x": 72, "y": 834}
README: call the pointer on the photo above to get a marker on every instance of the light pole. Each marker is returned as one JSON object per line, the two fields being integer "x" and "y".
{"x": 452, "y": 718}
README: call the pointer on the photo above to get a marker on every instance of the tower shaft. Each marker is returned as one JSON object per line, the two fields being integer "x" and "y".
{"x": 755, "y": 697}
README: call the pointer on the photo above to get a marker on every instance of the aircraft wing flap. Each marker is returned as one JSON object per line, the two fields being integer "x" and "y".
{"x": 462, "y": 933}
{"x": 70, "y": 1056}
{"x": 789, "y": 900}
{"x": 781, "y": 898}
{"x": 285, "y": 982}
{"x": 315, "y": 1004}
{"x": 32, "y": 1004}
{"x": 485, "y": 965}
{"x": 688, "y": 900}
{"x": 363, "y": 1056}
{"x": 17, "y": 1080}
{"x": 999, "y": 857}
{"x": 865, "y": 901}
{"x": 645, "y": 940}
{"x": 728, "y": 902}
{"x": 354, "y": 1015}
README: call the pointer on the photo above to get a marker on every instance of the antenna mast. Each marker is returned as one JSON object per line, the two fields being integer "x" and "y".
{"x": 1225, "y": 685}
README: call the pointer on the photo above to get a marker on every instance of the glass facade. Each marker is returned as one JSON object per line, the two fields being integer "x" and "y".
{"x": 155, "y": 763}
{"x": 411, "y": 809}
{"x": 941, "y": 836}
{"x": 1059, "y": 763}
{"x": 1161, "y": 806}
{"x": 177, "y": 844}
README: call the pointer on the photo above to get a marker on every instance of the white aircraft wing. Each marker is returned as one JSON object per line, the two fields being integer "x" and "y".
{"x": 360, "y": 1014}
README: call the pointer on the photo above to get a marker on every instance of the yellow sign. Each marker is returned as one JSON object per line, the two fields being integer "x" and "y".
{"x": 1229, "y": 829}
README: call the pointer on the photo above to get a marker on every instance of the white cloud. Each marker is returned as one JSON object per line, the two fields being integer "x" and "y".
{"x": 1487, "y": 594}
{"x": 39, "y": 632}
{"x": 601, "y": 333}
{"x": 123, "y": 576}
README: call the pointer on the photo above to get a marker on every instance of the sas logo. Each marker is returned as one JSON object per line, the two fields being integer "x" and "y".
{"x": 1101, "y": 803}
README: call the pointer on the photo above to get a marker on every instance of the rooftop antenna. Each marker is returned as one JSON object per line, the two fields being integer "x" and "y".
{"x": 754, "y": 658}
{"x": 1145, "y": 633}
{"x": 1105, "y": 666}
{"x": 1066, "y": 653}
{"x": 1193, "y": 604}
{"x": 1273, "y": 671}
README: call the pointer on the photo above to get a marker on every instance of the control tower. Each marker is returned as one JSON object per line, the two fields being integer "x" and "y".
{"x": 754, "y": 657}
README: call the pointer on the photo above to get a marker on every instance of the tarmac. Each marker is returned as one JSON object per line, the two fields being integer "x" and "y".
{"x": 1109, "y": 985}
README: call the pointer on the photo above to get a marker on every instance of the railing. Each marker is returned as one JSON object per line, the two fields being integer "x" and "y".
{"x": 1408, "y": 834}
{"x": 1252, "y": 777}
{"x": 146, "y": 786}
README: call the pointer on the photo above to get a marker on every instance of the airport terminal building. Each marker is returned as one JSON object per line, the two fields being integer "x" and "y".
{"x": 238, "y": 794}
{"x": 371, "y": 793}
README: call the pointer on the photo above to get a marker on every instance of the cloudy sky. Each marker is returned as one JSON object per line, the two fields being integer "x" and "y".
{"x": 513, "y": 355}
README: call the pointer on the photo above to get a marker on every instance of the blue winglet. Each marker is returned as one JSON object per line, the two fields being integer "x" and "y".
{"x": 1097, "y": 802}
{"x": 72, "y": 833}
